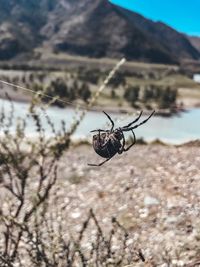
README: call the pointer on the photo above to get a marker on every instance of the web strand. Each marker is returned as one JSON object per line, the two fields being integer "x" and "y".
{"x": 42, "y": 94}
{"x": 57, "y": 99}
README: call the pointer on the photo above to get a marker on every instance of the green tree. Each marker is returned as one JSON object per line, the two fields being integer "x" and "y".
{"x": 59, "y": 88}
{"x": 113, "y": 94}
{"x": 157, "y": 92}
{"x": 148, "y": 93}
{"x": 91, "y": 76}
{"x": 132, "y": 94}
{"x": 84, "y": 92}
{"x": 117, "y": 80}
{"x": 168, "y": 97}
{"x": 31, "y": 77}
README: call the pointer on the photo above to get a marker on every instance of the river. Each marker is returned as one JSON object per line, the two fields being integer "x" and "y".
{"x": 174, "y": 130}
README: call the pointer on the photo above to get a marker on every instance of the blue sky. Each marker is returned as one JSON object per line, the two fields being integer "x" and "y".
{"x": 183, "y": 15}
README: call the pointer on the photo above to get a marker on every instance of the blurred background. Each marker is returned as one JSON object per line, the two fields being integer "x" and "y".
{"x": 63, "y": 62}
{"x": 66, "y": 48}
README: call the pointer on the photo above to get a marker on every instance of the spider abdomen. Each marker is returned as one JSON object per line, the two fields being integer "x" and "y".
{"x": 106, "y": 145}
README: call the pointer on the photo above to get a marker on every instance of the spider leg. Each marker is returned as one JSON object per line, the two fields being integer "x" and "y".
{"x": 105, "y": 131}
{"x": 127, "y": 126}
{"x": 136, "y": 126}
{"x": 123, "y": 149}
{"x": 112, "y": 122}
{"x": 134, "y": 141}
{"x": 100, "y": 164}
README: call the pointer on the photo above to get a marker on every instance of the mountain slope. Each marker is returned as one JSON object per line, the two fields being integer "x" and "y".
{"x": 20, "y": 24}
{"x": 195, "y": 41}
{"x": 174, "y": 42}
{"x": 93, "y": 28}
{"x": 102, "y": 32}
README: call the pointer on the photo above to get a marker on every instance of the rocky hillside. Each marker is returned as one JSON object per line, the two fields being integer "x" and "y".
{"x": 93, "y": 28}
{"x": 195, "y": 41}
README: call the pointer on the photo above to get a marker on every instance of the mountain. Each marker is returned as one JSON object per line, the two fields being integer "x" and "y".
{"x": 92, "y": 28}
{"x": 20, "y": 25}
{"x": 195, "y": 41}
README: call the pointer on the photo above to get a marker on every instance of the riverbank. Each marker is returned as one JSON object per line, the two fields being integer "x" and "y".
{"x": 111, "y": 99}
{"x": 177, "y": 129}
{"x": 19, "y": 96}
{"x": 152, "y": 190}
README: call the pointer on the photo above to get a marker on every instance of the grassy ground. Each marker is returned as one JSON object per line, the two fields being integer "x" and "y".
{"x": 62, "y": 58}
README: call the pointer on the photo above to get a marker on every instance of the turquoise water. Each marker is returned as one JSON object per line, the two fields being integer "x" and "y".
{"x": 175, "y": 130}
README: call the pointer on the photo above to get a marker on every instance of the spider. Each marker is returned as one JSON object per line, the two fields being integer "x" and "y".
{"x": 107, "y": 143}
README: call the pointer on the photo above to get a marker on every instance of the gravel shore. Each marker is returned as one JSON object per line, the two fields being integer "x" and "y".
{"x": 153, "y": 191}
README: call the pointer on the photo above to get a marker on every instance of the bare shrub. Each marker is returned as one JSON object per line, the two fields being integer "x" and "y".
{"x": 32, "y": 226}
{"x": 31, "y": 231}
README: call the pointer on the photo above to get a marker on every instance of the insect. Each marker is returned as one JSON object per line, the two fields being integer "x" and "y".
{"x": 107, "y": 143}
